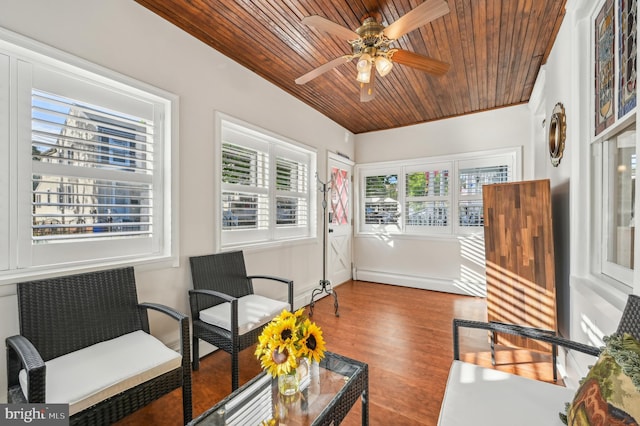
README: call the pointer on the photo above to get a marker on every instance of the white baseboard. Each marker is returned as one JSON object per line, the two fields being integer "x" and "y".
{"x": 425, "y": 283}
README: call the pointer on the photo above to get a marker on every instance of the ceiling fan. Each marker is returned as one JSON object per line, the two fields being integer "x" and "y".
{"x": 371, "y": 44}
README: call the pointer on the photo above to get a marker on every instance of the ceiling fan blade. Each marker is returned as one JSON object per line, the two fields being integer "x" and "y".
{"x": 328, "y": 26}
{"x": 419, "y": 62}
{"x": 368, "y": 90}
{"x": 323, "y": 68}
{"x": 421, "y": 15}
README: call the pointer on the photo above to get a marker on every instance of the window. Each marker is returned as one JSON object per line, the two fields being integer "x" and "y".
{"x": 69, "y": 138}
{"x": 88, "y": 158}
{"x": 618, "y": 219}
{"x": 429, "y": 196}
{"x": 245, "y": 177}
{"x": 266, "y": 186}
{"x": 381, "y": 204}
{"x": 291, "y": 192}
{"x": 472, "y": 177}
{"x": 612, "y": 92}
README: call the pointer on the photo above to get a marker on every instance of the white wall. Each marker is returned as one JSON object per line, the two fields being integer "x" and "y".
{"x": 495, "y": 129}
{"x": 553, "y": 86}
{"x": 436, "y": 263}
{"x": 125, "y": 37}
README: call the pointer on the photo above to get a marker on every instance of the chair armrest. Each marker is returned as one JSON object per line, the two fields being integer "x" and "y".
{"x": 214, "y": 293}
{"x": 518, "y": 330}
{"x": 271, "y": 277}
{"x": 231, "y": 299}
{"x": 178, "y": 316}
{"x": 279, "y": 279}
{"x": 22, "y": 354}
{"x": 182, "y": 319}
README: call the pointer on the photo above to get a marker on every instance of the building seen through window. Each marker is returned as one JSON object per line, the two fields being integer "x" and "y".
{"x": 88, "y": 163}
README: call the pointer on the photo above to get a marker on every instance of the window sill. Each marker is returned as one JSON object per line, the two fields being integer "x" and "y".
{"x": 267, "y": 245}
{"x": 399, "y": 236}
{"x": 608, "y": 289}
{"x": 9, "y": 278}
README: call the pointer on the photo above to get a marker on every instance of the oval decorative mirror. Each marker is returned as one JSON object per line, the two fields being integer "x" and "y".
{"x": 557, "y": 133}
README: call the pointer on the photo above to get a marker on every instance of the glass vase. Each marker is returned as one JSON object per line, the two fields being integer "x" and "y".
{"x": 288, "y": 384}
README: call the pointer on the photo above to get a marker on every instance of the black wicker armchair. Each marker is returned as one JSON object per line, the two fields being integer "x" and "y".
{"x": 480, "y": 395}
{"x": 64, "y": 316}
{"x": 220, "y": 281}
{"x": 629, "y": 323}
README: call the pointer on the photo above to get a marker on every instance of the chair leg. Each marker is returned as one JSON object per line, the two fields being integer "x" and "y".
{"x": 196, "y": 353}
{"x": 187, "y": 403}
{"x": 554, "y": 360}
{"x": 234, "y": 370}
{"x": 493, "y": 348}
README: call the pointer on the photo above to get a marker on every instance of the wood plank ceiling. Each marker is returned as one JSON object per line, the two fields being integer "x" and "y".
{"x": 495, "y": 49}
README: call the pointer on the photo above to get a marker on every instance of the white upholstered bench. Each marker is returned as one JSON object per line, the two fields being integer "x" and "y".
{"x": 476, "y": 395}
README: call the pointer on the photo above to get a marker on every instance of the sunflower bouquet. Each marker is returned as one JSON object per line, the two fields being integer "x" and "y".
{"x": 288, "y": 338}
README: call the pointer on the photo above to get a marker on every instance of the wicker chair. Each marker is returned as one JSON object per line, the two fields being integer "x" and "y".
{"x": 61, "y": 316}
{"x": 629, "y": 323}
{"x": 480, "y": 395}
{"x": 219, "y": 281}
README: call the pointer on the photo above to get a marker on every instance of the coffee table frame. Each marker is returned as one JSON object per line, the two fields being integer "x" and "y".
{"x": 356, "y": 386}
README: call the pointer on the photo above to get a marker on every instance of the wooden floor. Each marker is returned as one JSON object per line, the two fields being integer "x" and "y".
{"x": 404, "y": 335}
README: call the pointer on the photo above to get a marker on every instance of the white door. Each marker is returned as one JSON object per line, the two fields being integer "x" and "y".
{"x": 340, "y": 208}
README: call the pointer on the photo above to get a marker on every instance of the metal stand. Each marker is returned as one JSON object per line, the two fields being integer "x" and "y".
{"x": 325, "y": 285}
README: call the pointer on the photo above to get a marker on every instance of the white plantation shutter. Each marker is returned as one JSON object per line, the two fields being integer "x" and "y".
{"x": 433, "y": 195}
{"x": 470, "y": 183}
{"x": 5, "y": 161}
{"x": 292, "y": 192}
{"x": 381, "y": 205}
{"x": 265, "y": 186}
{"x": 92, "y": 171}
{"x": 428, "y": 198}
{"x": 245, "y": 200}
{"x": 86, "y": 163}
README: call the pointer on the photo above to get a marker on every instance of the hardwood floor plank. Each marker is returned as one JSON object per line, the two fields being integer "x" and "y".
{"x": 405, "y": 336}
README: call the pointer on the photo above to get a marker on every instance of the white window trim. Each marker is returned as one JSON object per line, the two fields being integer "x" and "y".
{"x": 271, "y": 238}
{"x": 27, "y": 50}
{"x": 453, "y": 230}
{"x": 604, "y": 267}
{"x": 613, "y": 276}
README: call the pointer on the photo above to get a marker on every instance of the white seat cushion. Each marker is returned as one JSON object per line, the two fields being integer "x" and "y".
{"x": 90, "y": 375}
{"x": 482, "y": 396}
{"x": 253, "y": 311}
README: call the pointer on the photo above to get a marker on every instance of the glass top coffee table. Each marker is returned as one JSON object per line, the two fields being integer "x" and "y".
{"x": 326, "y": 395}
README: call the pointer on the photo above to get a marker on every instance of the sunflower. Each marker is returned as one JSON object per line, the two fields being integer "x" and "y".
{"x": 312, "y": 343}
{"x": 279, "y": 360}
{"x": 298, "y": 315}
{"x": 286, "y": 339}
{"x": 285, "y": 330}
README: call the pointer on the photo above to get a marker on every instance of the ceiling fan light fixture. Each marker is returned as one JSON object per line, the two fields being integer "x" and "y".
{"x": 364, "y": 63}
{"x": 364, "y": 76}
{"x": 383, "y": 65}
{"x": 364, "y": 68}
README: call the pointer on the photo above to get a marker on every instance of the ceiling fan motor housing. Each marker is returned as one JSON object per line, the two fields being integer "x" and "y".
{"x": 372, "y": 38}
{"x": 370, "y": 31}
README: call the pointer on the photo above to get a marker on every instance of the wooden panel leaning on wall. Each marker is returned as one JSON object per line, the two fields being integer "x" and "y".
{"x": 519, "y": 250}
